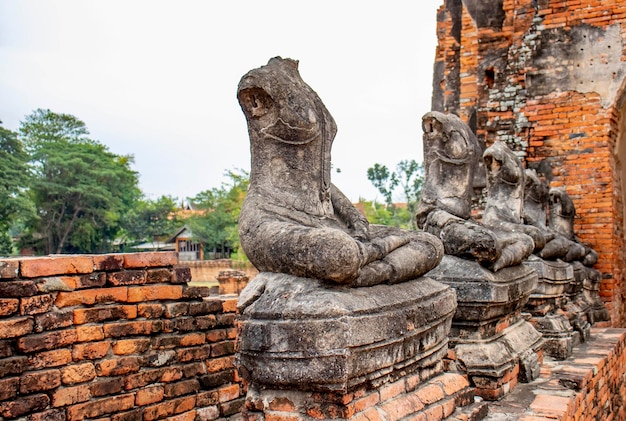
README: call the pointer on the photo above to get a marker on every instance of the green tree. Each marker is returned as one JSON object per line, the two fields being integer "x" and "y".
{"x": 150, "y": 220}
{"x": 217, "y": 227}
{"x": 80, "y": 189}
{"x": 14, "y": 179}
{"x": 409, "y": 176}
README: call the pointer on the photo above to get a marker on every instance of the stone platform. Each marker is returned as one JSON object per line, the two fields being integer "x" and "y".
{"x": 490, "y": 340}
{"x": 299, "y": 333}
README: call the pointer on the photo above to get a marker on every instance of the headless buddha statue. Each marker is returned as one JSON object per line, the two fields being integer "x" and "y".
{"x": 294, "y": 220}
{"x": 451, "y": 154}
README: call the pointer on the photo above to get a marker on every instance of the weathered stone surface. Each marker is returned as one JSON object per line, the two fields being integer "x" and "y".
{"x": 495, "y": 355}
{"x": 293, "y": 219}
{"x": 553, "y": 277}
{"x": 484, "y": 295}
{"x": 300, "y": 333}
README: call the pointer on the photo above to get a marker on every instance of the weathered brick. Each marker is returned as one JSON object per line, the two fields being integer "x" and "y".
{"x": 92, "y": 296}
{"x": 219, "y": 364}
{"x": 176, "y": 309}
{"x": 182, "y": 275}
{"x": 150, "y": 259}
{"x": 117, "y": 366}
{"x": 206, "y": 322}
{"x": 193, "y": 369}
{"x": 206, "y": 306}
{"x": 212, "y": 380}
{"x": 159, "y": 358}
{"x": 98, "y": 407}
{"x": 194, "y": 353}
{"x": 13, "y": 365}
{"x": 92, "y": 280}
{"x": 106, "y": 386}
{"x": 206, "y": 398}
{"x": 12, "y": 328}
{"x": 127, "y": 277}
{"x": 88, "y": 333}
{"x": 23, "y": 405}
{"x": 108, "y": 262}
{"x": 36, "y": 305}
{"x": 229, "y": 305}
{"x": 9, "y": 388}
{"x": 134, "y": 415}
{"x": 179, "y": 324}
{"x": 143, "y": 378}
{"x": 70, "y": 395}
{"x": 195, "y": 292}
{"x": 121, "y": 329}
{"x": 9, "y": 268}
{"x": 53, "y": 320}
{"x": 57, "y": 265}
{"x": 8, "y": 306}
{"x": 47, "y": 341}
{"x": 149, "y": 395}
{"x": 104, "y": 313}
{"x": 54, "y": 358}
{"x": 158, "y": 276}
{"x": 6, "y": 348}
{"x": 150, "y": 310}
{"x": 208, "y": 413}
{"x": 222, "y": 348}
{"x": 78, "y": 373}
{"x": 184, "y": 387}
{"x": 233, "y": 407}
{"x": 228, "y": 392}
{"x": 225, "y": 319}
{"x": 39, "y": 381}
{"x": 90, "y": 350}
{"x": 48, "y": 415}
{"x": 138, "y": 294}
{"x": 168, "y": 408}
{"x": 18, "y": 289}
{"x": 131, "y": 346}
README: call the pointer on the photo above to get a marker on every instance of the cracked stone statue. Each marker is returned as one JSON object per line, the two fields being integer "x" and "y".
{"x": 451, "y": 154}
{"x": 294, "y": 220}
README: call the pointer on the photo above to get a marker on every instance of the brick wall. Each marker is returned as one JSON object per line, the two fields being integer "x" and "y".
{"x": 203, "y": 271}
{"x": 547, "y": 77}
{"x": 590, "y": 385}
{"x": 116, "y": 337}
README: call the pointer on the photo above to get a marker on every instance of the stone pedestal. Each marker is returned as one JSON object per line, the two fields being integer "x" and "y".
{"x": 590, "y": 279}
{"x": 490, "y": 340}
{"x": 305, "y": 345}
{"x": 557, "y": 306}
{"x": 546, "y": 305}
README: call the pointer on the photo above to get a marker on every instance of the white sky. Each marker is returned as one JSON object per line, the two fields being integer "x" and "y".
{"x": 158, "y": 79}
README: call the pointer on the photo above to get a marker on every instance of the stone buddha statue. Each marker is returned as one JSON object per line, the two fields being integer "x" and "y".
{"x": 451, "y": 154}
{"x": 294, "y": 220}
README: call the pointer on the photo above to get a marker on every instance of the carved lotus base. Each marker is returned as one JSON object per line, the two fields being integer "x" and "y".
{"x": 558, "y": 334}
{"x": 554, "y": 278}
{"x": 492, "y": 343}
{"x": 303, "y": 334}
{"x": 495, "y": 364}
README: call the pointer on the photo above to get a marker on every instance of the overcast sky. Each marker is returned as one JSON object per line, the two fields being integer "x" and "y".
{"x": 158, "y": 79}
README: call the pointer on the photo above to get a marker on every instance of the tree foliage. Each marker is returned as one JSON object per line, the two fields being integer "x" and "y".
{"x": 217, "y": 226}
{"x": 409, "y": 177}
{"x": 14, "y": 179}
{"x": 151, "y": 220}
{"x": 79, "y": 188}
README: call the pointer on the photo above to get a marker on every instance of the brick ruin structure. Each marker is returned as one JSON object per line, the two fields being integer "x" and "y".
{"x": 548, "y": 78}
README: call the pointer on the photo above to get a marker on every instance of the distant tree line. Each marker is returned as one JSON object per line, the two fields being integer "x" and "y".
{"x": 63, "y": 192}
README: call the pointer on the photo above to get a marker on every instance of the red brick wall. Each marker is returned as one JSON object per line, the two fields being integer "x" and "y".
{"x": 548, "y": 79}
{"x": 115, "y": 337}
